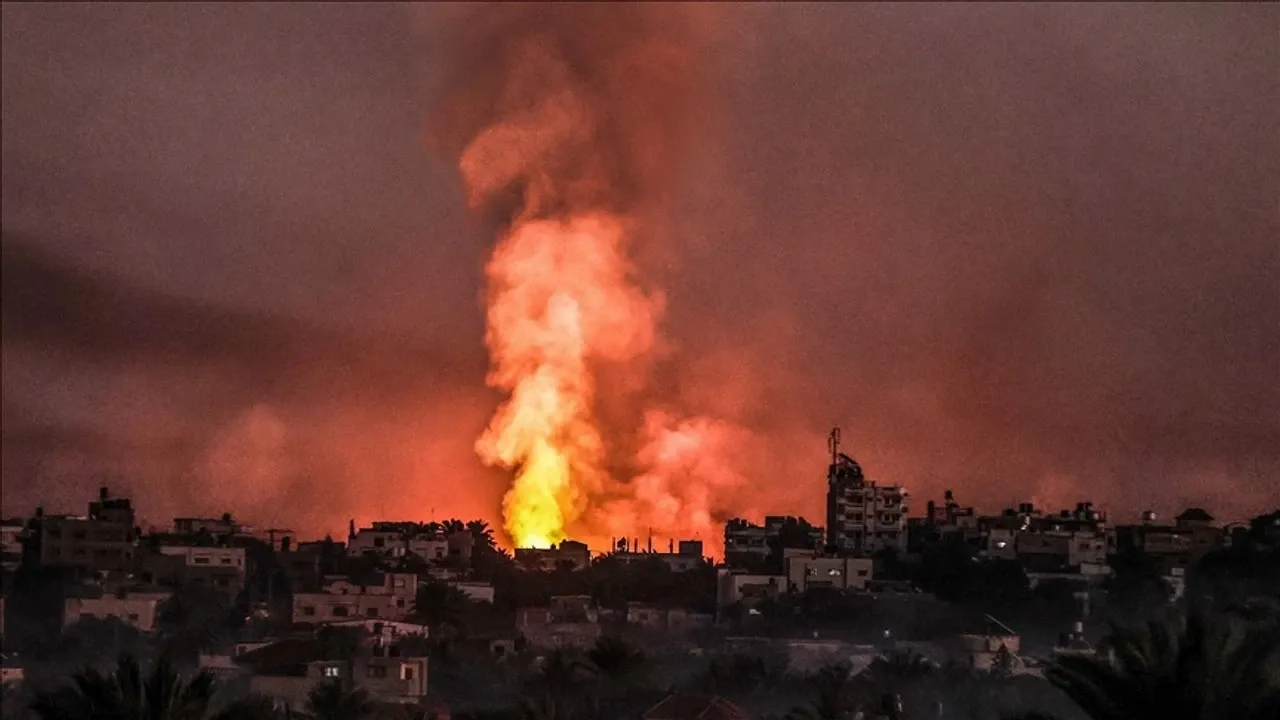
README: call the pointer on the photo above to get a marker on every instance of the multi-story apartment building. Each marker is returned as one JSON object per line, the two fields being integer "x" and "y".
{"x": 1061, "y": 550}
{"x": 862, "y": 517}
{"x": 103, "y": 540}
{"x": 746, "y": 544}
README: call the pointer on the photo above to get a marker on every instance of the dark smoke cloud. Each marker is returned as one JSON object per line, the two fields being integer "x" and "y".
{"x": 552, "y": 108}
{"x": 1015, "y": 250}
{"x": 213, "y": 409}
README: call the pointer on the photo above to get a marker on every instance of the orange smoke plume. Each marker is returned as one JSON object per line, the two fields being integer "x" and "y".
{"x": 565, "y": 121}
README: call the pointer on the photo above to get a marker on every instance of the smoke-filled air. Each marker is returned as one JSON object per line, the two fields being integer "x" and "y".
{"x": 562, "y": 119}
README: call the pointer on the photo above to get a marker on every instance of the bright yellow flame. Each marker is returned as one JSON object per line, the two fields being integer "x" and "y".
{"x": 560, "y": 296}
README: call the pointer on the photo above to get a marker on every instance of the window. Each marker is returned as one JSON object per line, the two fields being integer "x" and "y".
{"x": 332, "y": 671}
{"x": 371, "y": 612}
{"x": 340, "y": 611}
{"x": 200, "y": 560}
{"x": 406, "y": 672}
{"x": 308, "y": 611}
{"x": 226, "y": 561}
{"x": 833, "y": 572}
{"x": 377, "y": 671}
{"x": 862, "y": 573}
{"x": 132, "y": 617}
{"x": 78, "y": 535}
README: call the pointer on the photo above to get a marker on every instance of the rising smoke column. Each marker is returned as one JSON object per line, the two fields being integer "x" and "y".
{"x": 564, "y": 121}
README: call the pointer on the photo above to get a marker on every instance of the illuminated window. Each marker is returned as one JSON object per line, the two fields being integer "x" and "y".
{"x": 406, "y": 672}
{"x": 332, "y": 671}
{"x": 833, "y": 572}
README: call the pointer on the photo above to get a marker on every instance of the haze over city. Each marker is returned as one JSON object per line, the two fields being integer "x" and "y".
{"x": 1025, "y": 252}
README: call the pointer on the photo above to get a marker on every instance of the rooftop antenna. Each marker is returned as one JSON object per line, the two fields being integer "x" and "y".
{"x": 833, "y": 444}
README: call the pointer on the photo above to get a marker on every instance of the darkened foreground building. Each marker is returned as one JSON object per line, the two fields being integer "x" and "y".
{"x": 102, "y": 540}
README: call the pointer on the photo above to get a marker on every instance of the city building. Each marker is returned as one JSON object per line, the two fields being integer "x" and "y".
{"x": 1061, "y": 550}
{"x": 747, "y": 545}
{"x": 568, "y": 554}
{"x": 839, "y": 573}
{"x": 734, "y": 587}
{"x": 11, "y": 543}
{"x": 687, "y": 557}
{"x": 102, "y": 540}
{"x": 397, "y": 539}
{"x": 566, "y": 621}
{"x": 398, "y": 680}
{"x": 1192, "y": 535}
{"x": 388, "y": 596}
{"x": 862, "y": 517}
{"x": 217, "y": 568}
{"x": 675, "y": 620}
{"x": 217, "y": 527}
{"x": 141, "y": 610}
{"x": 475, "y": 590}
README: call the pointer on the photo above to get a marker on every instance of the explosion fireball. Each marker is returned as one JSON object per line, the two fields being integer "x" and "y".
{"x": 564, "y": 121}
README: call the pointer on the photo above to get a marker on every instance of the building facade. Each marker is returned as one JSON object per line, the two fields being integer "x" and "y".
{"x": 838, "y": 573}
{"x": 862, "y": 517}
{"x": 102, "y": 540}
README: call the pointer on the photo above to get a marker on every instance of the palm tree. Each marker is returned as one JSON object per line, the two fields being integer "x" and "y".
{"x": 332, "y": 701}
{"x": 483, "y": 535}
{"x": 453, "y": 525}
{"x": 126, "y": 694}
{"x": 1195, "y": 669}
{"x": 614, "y": 657}
{"x": 254, "y": 707}
{"x": 439, "y": 605}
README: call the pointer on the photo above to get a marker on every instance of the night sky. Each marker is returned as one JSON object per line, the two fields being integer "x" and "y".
{"x": 1024, "y": 252}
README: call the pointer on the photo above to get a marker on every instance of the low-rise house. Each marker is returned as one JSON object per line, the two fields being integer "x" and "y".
{"x": 392, "y": 680}
{"x": 677, "y": 620}
{"x": 385, "y": 633}
{"x": 687, "y": 557}
{"x": 217, "y": 527}
{"x": 568, "y": 554}
{"x": 996, "y": 646}
{"x": 403, "y": 584}
{"x": 398, "y": 539}
{"x": 1061, "y": 550}
{"x": 324, "y": 608}
{"x": 141, "y": 610}
{"x": 567, "y": 621}
{"x": 737, "y": 587}
{"x": 474, "y": 590}
{"x": 218, "y": 568}
{"x": 849, "y": 573}
{"x": 388, "y": 596}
